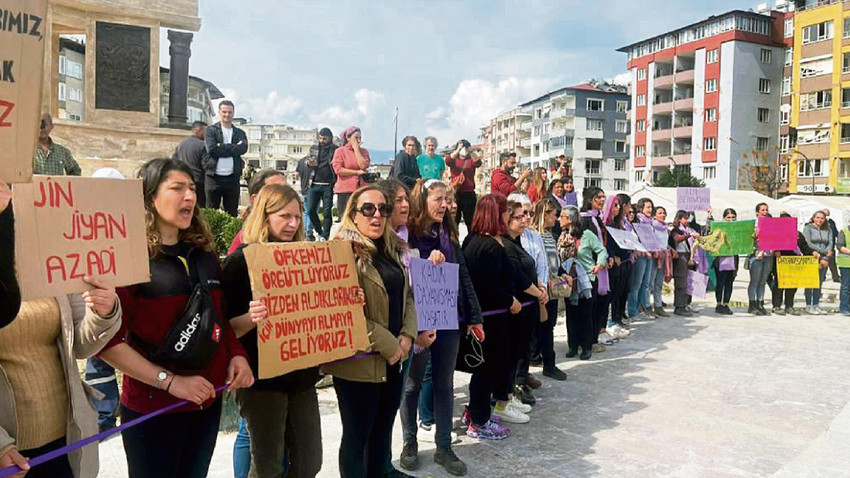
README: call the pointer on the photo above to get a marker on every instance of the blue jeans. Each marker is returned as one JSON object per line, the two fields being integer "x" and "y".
{"x": 639, "y": 284}
{"x": 844, "y": 304}
{"x": 426, "y": 397}
{"x": 242, "y": 452}
{"x": 656, "y": 284}
{"x": 813, "y": 295}
{"x": 101, "y": 376}
{"x": 318, "y": 193}
{"x": 759, "y": 272}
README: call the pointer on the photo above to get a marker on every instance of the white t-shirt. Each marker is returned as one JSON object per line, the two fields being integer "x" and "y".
{"x": 224, "y": 167}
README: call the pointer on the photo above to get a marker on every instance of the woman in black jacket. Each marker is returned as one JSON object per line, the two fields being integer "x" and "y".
{"x": 10, "y": 294}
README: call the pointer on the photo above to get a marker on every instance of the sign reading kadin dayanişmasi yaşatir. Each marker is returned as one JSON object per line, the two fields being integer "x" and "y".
{"x": 435, "y": 294}
{"x": 70, "y": 227}
{"x": 23, "y": 24}
{"x": 315, "y": 313}
{"x": 797, "y": 272}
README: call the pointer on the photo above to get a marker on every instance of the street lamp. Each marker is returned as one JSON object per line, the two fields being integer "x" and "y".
{"x": 811, "y": 167}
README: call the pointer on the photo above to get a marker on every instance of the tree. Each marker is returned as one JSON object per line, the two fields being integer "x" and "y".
{"x": 761, "y": 172}
{"x": 677, "y": 176}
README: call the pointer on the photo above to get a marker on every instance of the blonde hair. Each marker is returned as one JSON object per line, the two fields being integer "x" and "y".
{"x": 348, "y": 229}
{"x": 541, "y": 184}
{"x": 271, "y": 199}
{"x": 542, "y": 207}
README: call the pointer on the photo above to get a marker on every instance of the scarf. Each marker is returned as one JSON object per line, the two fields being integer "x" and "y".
{"x": 347, "y": 132}
{"x": 436, "y": 238}
{"x": 602, "y": 275}
{"x": 562, "y": 201}
{"x": 582, "y": 286}
{"x": 697, "y": 253}
{"x": 608, "y": 209}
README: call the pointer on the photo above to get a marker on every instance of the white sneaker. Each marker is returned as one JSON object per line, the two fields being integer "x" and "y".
{"x": 428, "y": 434}
{"x": 511, "y": 415}
{"x": 627, "y": 321}
{"x": 810, "y": 310}
{"x": 618, "y": 332}
{"x": 517, "y": 404}
{"x": 820, "y": 311}
{"x": 605, "y": 339}
{"x": 645, "y": 316}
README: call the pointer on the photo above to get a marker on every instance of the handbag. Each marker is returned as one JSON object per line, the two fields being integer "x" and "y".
{"x": 559, "y": 289}
{"x": 470, "y": 354}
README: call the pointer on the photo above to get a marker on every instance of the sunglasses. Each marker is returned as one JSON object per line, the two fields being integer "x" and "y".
{"x": 368, "y": 209}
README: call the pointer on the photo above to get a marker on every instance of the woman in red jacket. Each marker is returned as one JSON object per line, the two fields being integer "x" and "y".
{"x": 181, "y": 443}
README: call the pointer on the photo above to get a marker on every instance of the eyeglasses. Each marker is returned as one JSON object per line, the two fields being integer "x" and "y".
{"x": 368, "y": 209}
{"x": 520, "y": 217}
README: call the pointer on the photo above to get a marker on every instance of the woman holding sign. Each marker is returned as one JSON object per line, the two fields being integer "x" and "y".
{"x": 277, "y": 409}
{"x": 173, "y": 345}
{"x": 819, "y": 237}
{"x": 434, "y": 234}
{"x": 10, "y": 294}
{"x": 682, "y": 238}
{"x": 369, "y": 389}
{"x": 725, "y": 269}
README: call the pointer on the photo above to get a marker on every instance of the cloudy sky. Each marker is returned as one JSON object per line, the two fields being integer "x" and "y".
{"x": 448, "y": 66}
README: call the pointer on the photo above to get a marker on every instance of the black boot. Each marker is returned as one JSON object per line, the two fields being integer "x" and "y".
{"x": 572, "y": 352}
{"x": 752, "y": 308}
{"x": 762, "y": 309}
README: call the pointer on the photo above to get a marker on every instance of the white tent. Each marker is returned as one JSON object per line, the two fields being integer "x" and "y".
{"x": 803, "y": 206}
{"x": 743, "y": 202}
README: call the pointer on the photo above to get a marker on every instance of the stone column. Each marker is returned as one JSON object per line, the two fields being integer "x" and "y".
{"x": 178, "y": 81}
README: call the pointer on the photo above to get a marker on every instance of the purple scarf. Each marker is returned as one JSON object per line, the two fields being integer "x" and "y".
{"x": 437, "y": 238}
{"x": 602, "y": 276}
{"x": 699, "y": 256}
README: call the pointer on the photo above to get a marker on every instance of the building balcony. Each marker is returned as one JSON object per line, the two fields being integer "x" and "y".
{"x": 525, "y": 126}
{"x": 844, "y": 145}
{"x": 525, "y": 143}
{"x": 660, "y": 108}
{"x": 662, "y": 134}
{"x": 663, "y": 81}
{"x": 682, "y": 132}
{"x": 814, "y": 150}
{"x": 592, "y": 154}
{"x": 686, "y": 76}
{"x": 684, "y": 104}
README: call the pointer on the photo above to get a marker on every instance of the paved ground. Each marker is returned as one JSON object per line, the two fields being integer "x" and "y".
{"x": 709, "y": 396}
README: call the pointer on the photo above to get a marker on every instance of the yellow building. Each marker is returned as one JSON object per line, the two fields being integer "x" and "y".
{"x": 819, "y": 87}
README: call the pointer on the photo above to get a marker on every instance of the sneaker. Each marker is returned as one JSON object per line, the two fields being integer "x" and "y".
{"x": 810, "y": 310}
{"x": 572, "y": 352}
{"x": 466, "y": 419}
{"x": 644, "y": 316}
{"x": 554, "y": 373}
{"x": 718, "y": 309}
{"x": 682, "y": 311}
{"x": 779, "y": 311}
{"x": 605, "y": 339}
{"x": 625, "y": 322}
{"x": 450, "y": 461}
{"x": 519, "y": 404}
{"x": 511, "y": 415}
{"x": 488, "y": 431}
{"x": 533, "y": 382}
{"x": 660, "y": 312}
{"x": 394, "y": 473}
{"x": 409, "y": 459}
{"x": 618, "y": 332}
{"x": 727, "y": 310}
{"x": 523, "y": 393}
{"x": 586, "y": 354}
{"x": 426, "y": 433}
{"x": 595, "y": 348}
{"x": 792, "y": 311}
{"x": 820, "y": 311}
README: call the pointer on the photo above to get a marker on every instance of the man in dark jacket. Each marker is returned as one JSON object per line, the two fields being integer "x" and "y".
{"x": 225, "y": 144}
{"x": 405, "y": 168}
{"x": 193, "y": 151}
{"x": 833, "y": 268}
{"x": 317, "y": 185}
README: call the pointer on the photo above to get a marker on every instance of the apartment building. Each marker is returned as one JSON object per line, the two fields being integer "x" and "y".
{"x": 278, "y": 146}
{"x": 199, "y": 98}
{"x": 72, "y": 81}
{"x": 818, "y": 92}
{"x": 706, "y": 96}
{"x": 588, "y": 124}
{"x": 503, "y": 134}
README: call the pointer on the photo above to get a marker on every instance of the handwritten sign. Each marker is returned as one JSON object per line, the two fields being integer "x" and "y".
{"x": 696, "y": 285}
{"x": 740, "y": 234}
{"x": 315, "y": 315}
{"x": 626, "y": 239}
{"x": 797, "y": 272}
{"x": 693, "y": 199}
{"x": 777, "y": 233}
{"x": 649, "y": 238}
{"x": 22, "y": 29}
{"x": 435, "y": 294}
{"x": 70, "y": 227}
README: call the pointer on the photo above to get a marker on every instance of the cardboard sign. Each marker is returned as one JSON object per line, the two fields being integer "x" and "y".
{"x": 697, "y": 284}
{"x": 693, "y": 199}
{"x": 649, "y": 238}
{"x": 70, "y": 227}
{"x": 626, "y": 239}
{"x": 435, "y": 294}
{"x": 797, "y": 272}
{"x": 777, "y": 233}
{"x": 740, "y": 234}
{"x": 310, "y": 290}
{"x": 22, "y": 28}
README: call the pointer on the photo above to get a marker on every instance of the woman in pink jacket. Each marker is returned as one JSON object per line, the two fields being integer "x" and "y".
{"x": 350, "y": 162}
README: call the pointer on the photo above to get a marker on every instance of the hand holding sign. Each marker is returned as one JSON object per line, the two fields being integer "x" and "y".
{"x": 101, "y": 299}
{"x": 257, "y": 311}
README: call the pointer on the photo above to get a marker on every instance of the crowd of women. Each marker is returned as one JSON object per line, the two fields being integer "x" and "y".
{"x": 519, "y": 261}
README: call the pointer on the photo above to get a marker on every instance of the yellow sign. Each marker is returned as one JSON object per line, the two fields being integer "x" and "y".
{"x": 797, "y": 272}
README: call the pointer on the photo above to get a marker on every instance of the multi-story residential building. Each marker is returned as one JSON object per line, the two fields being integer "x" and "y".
{"x": 706, "y": 97}
{"x": 278, "y": 146}
{"x": 586, "y": 123}
{"x": 72, "y": 60}
{"x": 819, "y": 133}
{"x": 199, "y": 98}
{"x": 505, "y": 134}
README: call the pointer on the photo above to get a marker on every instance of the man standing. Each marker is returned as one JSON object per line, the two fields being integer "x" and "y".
{"x": 317, "y": 185}
{"x": 501, "y": 181}
{"x": 833, "y": 268}
{"x": 462, "y": 163}
{"x": 51, "y": 158}
{"x": 405, "y": 168}
{"x": 225, "y": 144}
{"x": 193, "y": 152}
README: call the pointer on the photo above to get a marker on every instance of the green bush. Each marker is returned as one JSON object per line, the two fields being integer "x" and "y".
{"x": 224, "y": 228}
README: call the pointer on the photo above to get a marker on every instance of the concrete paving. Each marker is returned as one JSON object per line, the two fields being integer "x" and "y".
{"x": 707, "y": 396}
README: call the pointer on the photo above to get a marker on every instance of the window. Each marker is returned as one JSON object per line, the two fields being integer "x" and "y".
{"x": 845, "y": 97}
{"x": 789, "y": 27}
{"x": 622, "y": 107}
{"x": 641, "y": 100}
{"x": 641, "y": 74}
{"x": 709, "y": 144}
{"x": 711, "y": 86}
{"x": 809, "y": 168}
{"x": 619, "y": 185}
{"x": 789, "y": 56}
{"x": 709, "y": 172}
{"x": 640, "y": 151}
{"x": 638, "y": 176}
{"x": 784, "y": 117}
{"x": 640, "y": 125}
{"x": 762, "y": 143}
{"x": 592, "y": 166}
{"x": 75, "y": 94}
{"x": 62, "y": 65}
{"x": 568, "y": 142}
{"x": 786, "y": 86}
{"x": 845, "y": 133}
{"x": 812, "y": 136}
{"x": 844, "y": 168}
{"x": 619, "y": 165}
{"x": 61, "y": 91}
{"x": 710, "y": 115}
{"x": 783, "y": 171}
{"x": 764, "y": 85}
{"x": 784, "y": 143}
{"x": 766, "y": 55}
{"x": 73, "y": 69}
{"x": 254, "y": 134}
{"x": 595, "y": 105}
{"x": 763, "y": 115}
{"x": 537, "y": 131}
{"x": 711, "y": 56}
{"x": 621, "y": 126}
{"x": 809, "y": 69}
{"x": 593, "y": 144}
{"x": 594, "y": 124}
{"x": 535, "y": 150}
{"x": 592, "y": 182}
{"x": 620, "y": 146}
{"x": 845, "y": 63}
{"x": 816, "y": 100}
{"x": 818, "y": 32}
{"x": 846, "y": 31}
{"x": 75, "y": 117}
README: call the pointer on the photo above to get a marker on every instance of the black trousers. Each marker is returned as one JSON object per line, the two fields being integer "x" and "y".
{"x": 201, "y": 193}
{"x": 546, "y": 334}
{"x": 465, "y": 207}
{"x": 723, "y": 289}
{"x": 620, "y": 291}
{"x": 56, "y": 468}
{"x": 492, "y": 378}
{"x": 833, "y": 267}
{"x": 341, "y": 201}
{"x": 224, "y": 193}
{"x": 173, "y": 445}
{"x": 521, "y": 329}
{"x": 368, "y": 412}
{"x": 780, "y": 297}
{"x": 581, "y": 331}
{"x": 601, "y": 303}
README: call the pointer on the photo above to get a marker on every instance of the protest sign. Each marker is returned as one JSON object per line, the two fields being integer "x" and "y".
{"x": 22, "y": 28}
{"x": 649, "y": 238}
{"x": 696, "y": 285}
{"x": 311, "y": 292}
{"x": 435, "y": 294}
{"x": 693, "y": 199}
{"x": 777, "y": 233}
{"x": 740, "y": 234}
{"x": 797, "y": 272}
{"x": 70, "y": 227}
{"x": 626, "y": 239}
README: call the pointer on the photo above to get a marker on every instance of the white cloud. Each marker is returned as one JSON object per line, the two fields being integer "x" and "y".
{"x": 624, "y": 79}
{"x": 369, "y": 102}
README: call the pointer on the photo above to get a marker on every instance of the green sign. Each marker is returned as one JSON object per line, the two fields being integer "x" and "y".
{"x": 740, "y": 234}
{"x": 843, "y": 186}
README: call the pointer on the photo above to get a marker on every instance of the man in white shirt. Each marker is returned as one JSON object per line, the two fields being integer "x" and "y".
{"x": 225, "y": 144}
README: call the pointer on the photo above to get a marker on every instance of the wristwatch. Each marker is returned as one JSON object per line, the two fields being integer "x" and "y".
{"x": 160, "y": 377}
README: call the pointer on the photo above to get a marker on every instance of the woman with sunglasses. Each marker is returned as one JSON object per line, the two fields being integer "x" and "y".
{"x": 369, "y": 389}
{"x": 434, "y": 235}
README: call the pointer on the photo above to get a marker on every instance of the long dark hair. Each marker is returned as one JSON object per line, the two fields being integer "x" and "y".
{"x": 625, "y": 202}
{"x": 587, "y": 197}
